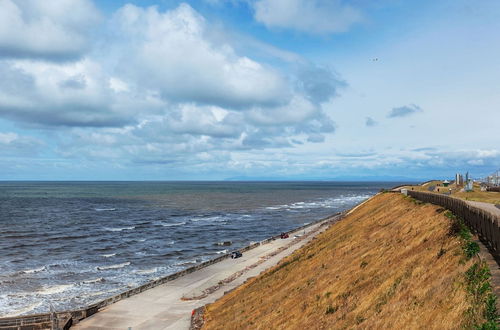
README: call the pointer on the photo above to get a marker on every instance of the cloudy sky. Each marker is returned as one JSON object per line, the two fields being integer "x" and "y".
{"x": 263, "y": 89}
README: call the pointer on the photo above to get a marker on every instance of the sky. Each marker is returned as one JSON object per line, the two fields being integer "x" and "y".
{"x": 249, "y": 89}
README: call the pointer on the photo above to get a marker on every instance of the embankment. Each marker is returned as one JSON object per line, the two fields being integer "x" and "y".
{"x": 392, "y": 263}
{"x": 66, "y": 319}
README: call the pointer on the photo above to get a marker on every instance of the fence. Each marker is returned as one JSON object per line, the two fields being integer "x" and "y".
{"x": 482, "y": 222}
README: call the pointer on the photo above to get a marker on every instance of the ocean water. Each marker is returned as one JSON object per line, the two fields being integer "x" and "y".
{"x": 69, "y": 244}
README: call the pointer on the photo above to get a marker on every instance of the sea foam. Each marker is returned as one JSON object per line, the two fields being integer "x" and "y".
{"x": 113, "y": 266}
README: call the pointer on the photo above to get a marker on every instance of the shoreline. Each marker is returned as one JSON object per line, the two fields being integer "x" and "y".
{"x": 67, "y": 317}
{"x": 169, "y": 306}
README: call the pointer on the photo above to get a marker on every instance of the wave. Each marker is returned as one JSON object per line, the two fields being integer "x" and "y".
{"x": 222, "y": 251}
{"x": 173, "y": 224}
{"x": 325, "y": 203}
{"x": 34, "y": 270}
{"x": 113, "y": 266}
{"x": 96, "y": 280}
{"x": 147, "y": 271}
{"x": 99, "y": 293}
{"x": 225, "y": 243}
{"x": 105, "y": 209}
{"x": 108, "y": 255}
{"x": 119, "y": 228}
{"x": 24, "y": 310}
{"x": 55, "y": 289}
{"x": 187, "y": 262}
{"x": 215, "y": 218}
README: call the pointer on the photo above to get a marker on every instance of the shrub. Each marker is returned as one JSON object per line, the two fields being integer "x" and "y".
{"x": 330, "y": 309}
{"x": 471, "y": 249}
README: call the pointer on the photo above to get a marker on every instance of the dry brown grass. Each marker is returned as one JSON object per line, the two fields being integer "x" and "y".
{"x": 476, "y": 195}
{"x": 389, "y": 265}
{"x": 492, "y": 197}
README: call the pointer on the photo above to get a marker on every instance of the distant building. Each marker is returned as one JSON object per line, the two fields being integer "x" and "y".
{"x": 446, "y": 183}
{"x": 459, "y": 179}
{"x": 469, "y": 185}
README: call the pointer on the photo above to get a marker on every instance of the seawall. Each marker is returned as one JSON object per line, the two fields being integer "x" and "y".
{"x": 64, "y": 320}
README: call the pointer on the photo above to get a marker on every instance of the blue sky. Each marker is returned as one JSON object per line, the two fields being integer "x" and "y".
{"x": 274, "y": 89}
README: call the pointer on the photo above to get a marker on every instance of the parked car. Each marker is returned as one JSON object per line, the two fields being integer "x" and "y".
{"x": 236, "y": 254}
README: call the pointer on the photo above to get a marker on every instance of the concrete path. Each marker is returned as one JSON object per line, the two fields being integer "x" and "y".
{"x": 486, "y": 206}
{"x": 162, "y": 308}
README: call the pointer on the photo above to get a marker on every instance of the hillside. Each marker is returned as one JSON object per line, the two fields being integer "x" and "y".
{"x": 391, "y": 263}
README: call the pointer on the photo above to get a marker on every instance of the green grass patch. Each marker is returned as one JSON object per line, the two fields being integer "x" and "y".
{"x": 458, "y": 228}
{"x": 477, "y": 279}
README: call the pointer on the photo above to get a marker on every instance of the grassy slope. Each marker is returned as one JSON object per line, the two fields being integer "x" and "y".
{"x": 492, "y": 197}
{"x": 380, "y": 267}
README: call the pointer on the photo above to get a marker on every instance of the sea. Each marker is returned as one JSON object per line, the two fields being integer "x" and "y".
{"x": 65, "y": 245}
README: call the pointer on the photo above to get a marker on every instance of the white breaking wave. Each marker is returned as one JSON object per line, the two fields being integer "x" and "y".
{"x": 34, "y": 270}
{"x": 102, "y": 210}
{"x": 113, "y": 266}
{"x": 96, "y": 280}
{"x": 214, "y": 218}
{"x": 98, "y": 293}
{"x": 326, "y": 203}
{"x": 119, "y": 228}
{"x": 222, "y": 251}
{"x": 172, "y": 224}
{"x": 55, "y": 289}
{"x": 24, "y": 310}
{"x": 147, "y": 271}
{"x": 108, "y": 255}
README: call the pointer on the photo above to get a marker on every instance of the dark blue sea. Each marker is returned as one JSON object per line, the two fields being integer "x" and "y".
{"x": 73, "y": 243}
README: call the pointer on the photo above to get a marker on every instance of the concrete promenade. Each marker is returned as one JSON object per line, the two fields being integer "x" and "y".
{"x": 486, "y": 206}
{"x": 162, "y": 307}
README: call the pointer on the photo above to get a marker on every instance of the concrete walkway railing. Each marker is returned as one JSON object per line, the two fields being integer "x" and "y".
{"x": 480, "y": 221}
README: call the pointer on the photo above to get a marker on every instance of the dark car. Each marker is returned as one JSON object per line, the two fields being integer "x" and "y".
{"x": 236, "y": 254}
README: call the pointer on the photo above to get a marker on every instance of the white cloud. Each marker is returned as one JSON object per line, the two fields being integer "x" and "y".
{"x": 166, "y": 92}
{"x": 312, "y": 16}
{"x": 13, "y": 144}
{"x": 299, "y": 110}
{"x": 50, "y": 29}
{"x": 69, "y": 94}
{"x": 7, "y": 138}
{"x": 172, "y": 53}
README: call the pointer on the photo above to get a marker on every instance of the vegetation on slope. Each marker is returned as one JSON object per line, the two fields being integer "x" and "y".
{"x": 392, "y": 263}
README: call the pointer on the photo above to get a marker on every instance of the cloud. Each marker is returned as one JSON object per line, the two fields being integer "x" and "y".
{"x": 370, "y": 122}
{"x": 172, "y": 52}
{"x": 13, "y": 144}
{"x": 404, "y": 111}
{"x": 50, "y": 94}
{"x": 320, "y": 84}
{"x": 166, "y": 92}
{"x": 311, "y": 16}
{"x": 49, "y": 29}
